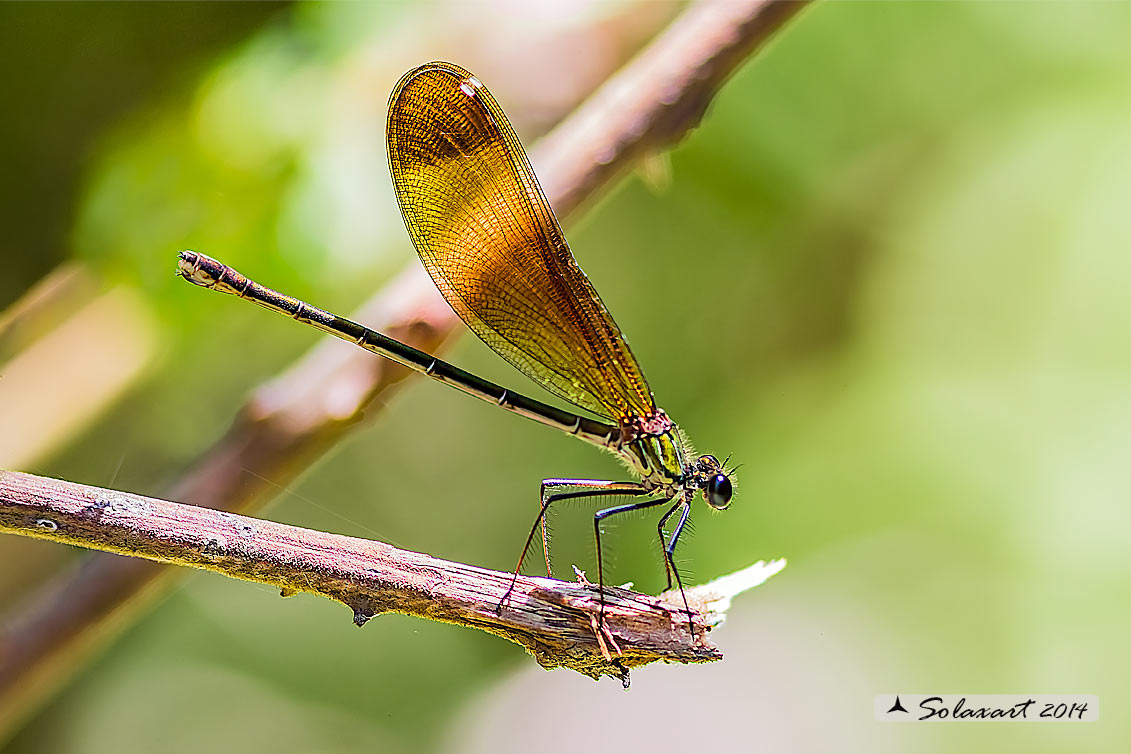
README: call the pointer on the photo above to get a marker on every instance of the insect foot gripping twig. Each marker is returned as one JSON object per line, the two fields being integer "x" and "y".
{"x": 640, "y": 626}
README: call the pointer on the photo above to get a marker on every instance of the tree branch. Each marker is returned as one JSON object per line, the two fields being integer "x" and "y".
{"x": 290, "y": 422}
{"x": 652, "y": 103}
{"x": 553, "y": 620}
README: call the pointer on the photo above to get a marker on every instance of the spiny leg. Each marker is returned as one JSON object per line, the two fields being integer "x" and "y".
{"x": 598, "y": 517}
{"x": 660, "y": 530}
{"x": 550, "y": 483}
{"x": 596, "y": 488}
{"x": 545, "y": 531}
{"x": 669, "y": 553}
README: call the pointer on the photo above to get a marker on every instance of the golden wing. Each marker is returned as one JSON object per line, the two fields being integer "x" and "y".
{"x": 488, "y": 237}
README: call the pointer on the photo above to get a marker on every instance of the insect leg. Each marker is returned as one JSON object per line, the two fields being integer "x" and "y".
{"x": 669, "y": 553}
{"x": 594, "y": 488}
{"x": 660, "y": 530}
{"x": 600, "y": 516}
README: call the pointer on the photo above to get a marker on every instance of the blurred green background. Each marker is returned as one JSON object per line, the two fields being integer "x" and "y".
{"x": 889, "y": 276}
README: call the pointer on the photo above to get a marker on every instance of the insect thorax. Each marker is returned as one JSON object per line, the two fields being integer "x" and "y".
{"x": 656, "y": 451}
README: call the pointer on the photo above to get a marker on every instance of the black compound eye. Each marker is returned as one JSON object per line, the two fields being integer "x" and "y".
{"x": 719, "y": 491}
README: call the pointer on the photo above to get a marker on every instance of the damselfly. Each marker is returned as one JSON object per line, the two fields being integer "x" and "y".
{"x": 485, "y": 232}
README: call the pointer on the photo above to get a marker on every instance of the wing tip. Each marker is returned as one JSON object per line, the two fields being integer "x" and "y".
{"x": 457, "y": 72}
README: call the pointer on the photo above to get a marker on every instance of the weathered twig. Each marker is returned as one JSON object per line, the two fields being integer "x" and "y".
{"x": 292, "y": 421}
{"x": 552, "y": 619}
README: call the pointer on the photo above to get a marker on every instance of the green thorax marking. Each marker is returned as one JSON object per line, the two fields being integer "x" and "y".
{"x": 658, "y": 458}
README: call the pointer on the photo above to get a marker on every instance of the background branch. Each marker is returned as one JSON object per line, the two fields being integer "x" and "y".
{"x": 293, "y": 420}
